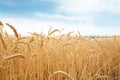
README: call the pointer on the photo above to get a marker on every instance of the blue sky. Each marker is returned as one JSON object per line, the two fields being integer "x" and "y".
{"x": 90, "y": 17}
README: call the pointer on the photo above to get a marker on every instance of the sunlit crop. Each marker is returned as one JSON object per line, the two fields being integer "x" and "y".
{"x": 58, "y": 57}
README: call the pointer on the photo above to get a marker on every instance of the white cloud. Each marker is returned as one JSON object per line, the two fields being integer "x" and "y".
{"x": 79, "y": 7}
{"x": 86, "y": 18}
{"x": 29, "y": 25}
{"x": 82, "y": 7}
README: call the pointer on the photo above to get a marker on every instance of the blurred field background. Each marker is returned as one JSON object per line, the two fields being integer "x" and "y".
{"x": 58, "y": 57}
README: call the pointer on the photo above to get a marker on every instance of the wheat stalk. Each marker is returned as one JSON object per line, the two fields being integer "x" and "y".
{"x": 1, "y": 29}
{"x": 36, "y": 34}
{"x": 3, "y": 43}
{"x": 50, "y": 33}
{"x": 14, "y": 56}
{"x": 1, "y": 26}
{"x": 69, "y": 33}
{"x": 79, "y": 33}
{"x": 61, "y": 72}
{"x": 21, "y": 38}
{"x": 102, "y": 78}
{"x": 14, "y": 30}
{"x": 49, "y": 30}
{"x": 31, "y": 39}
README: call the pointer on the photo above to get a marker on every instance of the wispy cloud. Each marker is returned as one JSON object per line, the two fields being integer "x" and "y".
{"x": 87, "y": 11}
{"x": 81, "y": 19}
{"x": 80, "y": 7}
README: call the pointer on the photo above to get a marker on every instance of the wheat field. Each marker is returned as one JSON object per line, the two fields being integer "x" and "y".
{"x": 58, "y": 57}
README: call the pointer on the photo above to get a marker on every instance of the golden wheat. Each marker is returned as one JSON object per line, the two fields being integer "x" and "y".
{"x": 1, "y": 23}
{"x": 59, "y": 57}
{"x": 14, "y": 30}
{"x": 3, "y": 43}
{"x": 50, "y": 33}
{"x": 3, "y": 68}
{"x": 14, "y": 56}
{"x": 1, "y": 28}
{"x": 22, "y": 42}
{"x": 61, "y": 72}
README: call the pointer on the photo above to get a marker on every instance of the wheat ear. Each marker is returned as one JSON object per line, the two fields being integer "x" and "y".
{"x": 14, "y": 30}
{"x": 3, "y": 43}
{"x": 1, "y": 28}
{"x": 14, "y": 56}
{"x": 61, "y": 72}
{"x": 50, "y": 33}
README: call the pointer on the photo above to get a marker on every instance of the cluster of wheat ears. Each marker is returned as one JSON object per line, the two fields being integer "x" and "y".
{"x": 58, "y": 57}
